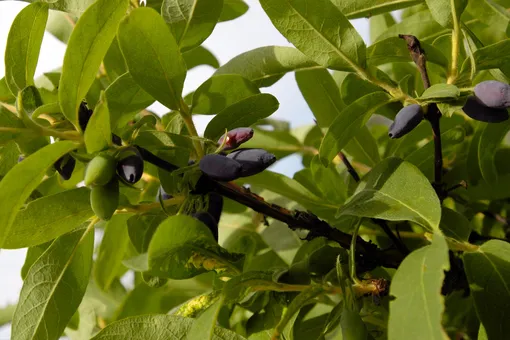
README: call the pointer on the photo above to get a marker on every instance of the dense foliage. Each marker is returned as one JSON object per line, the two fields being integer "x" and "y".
{"x": 396, "y": 228}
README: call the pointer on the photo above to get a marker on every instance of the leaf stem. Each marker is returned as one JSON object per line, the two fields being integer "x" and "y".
{"x": 188, "y": 120}
{"x": 455, "y": 46}
{"x": 352, "y": 254}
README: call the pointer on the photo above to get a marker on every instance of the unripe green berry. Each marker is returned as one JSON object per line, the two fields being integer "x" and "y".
{"x": 104, "y": 199}
{"x": 100, "y": 170}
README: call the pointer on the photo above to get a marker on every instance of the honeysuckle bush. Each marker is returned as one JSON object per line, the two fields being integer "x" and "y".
{"x": 376, "y": 238}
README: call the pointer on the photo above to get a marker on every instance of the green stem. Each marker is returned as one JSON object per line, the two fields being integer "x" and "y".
{"x": 352, "y": 255}
{"x": 186, "y": 116}
{"x": 455, "y": 46}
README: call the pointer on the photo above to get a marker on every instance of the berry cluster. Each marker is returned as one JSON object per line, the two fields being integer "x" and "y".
{"x": 488, "y": 103}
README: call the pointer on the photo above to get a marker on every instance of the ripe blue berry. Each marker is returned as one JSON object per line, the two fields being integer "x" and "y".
{"x": 476, "y": 110}
{"x": 406, "y": 120}
{"x": 492, "y": 93}
{"x": 220, "y": 168}
{"x": 252, "y": 161}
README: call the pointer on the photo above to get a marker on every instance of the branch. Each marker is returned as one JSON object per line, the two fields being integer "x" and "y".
{"x": 433, "y": 114}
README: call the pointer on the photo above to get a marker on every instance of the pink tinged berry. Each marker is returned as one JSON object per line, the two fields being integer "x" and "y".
{"x": 236, "y": 137}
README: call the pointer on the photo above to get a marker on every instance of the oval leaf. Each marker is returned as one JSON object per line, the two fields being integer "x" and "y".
{"x": 168, "y": 327}
{"x": 191, "y": 21}
{"x": 243, "y": 113}
{"x": 24, "y": 178}
{"x": 179, "y": 252}
{"x": 23, "y": 45}
{"x": 367, "y": 8}
{"x": 417, "y": 283}
{"x": 221, "y": 91}
{"x": 48, "y": 217}
{"x": 349, "y": 122}
{"x": 153, "y": 56}
{"x": 86, "y": 48}
{"x": 98, "y": 135}
{"x": 54, "y": 287}
{"x": 266, "y": 65}
{"x": 319, "y": 30}
{"x": 488, "y": 274}
{"x": 395, "y": 190}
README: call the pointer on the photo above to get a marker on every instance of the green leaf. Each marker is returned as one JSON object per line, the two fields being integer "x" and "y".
{"x": 279, "y": 143}
{"x": 394, "y": 50}
{"x": 321, "y": 94}
{"x": 153, "y": 56}
{"x": 417, "y": 283}
{"x": 76, "y": 7}
{"x": 485, "y": 147}
{"x": 490, "y": 13}
{"x": 48, "y": 217}
{"x": 454, "y": 225}
{"x": 363, "y": 147}
{"x": 282, "y": 185}
{"x": 349, "y": 122}
{"x": 111, "y": 252}
{"x": 23, "y": 178}
{"x": 378, "y": 24}
{"x": 9, "y": 119}
{"x": 141, "y": 228}
{"x": 385, "y": 193}
{"x": 204, "y": 325}
{"x": 23, "y": 45}
{"x": 446, "y": 13}
{"x": 264, "y": 66}
{"x": 191, "y": 21}
{"x": 358, "y": 9}
{"x": 488, "y": 273}
{"x": 233, "y": 9}
{"x": 60, "y": 25}
{"x": 114, "y": 62}
{"x": 168, "y": 327}
{"x": 220, "y": 92}
{"x": 125, "y": 97}
{"x": 492, "y": 56}
{"x": 179, "y": 253}
{"x": 421, "y": 24}
{"x": 320, "y": 31}
{"x": 5, "y": 94}
{"x": 33, "y": 253}
{"x": 353, "y": 326}
{"x": 329, "y": 181}
{"x": 86, "y": 48}
{"x": 440, "y": 92}
{"x": 98, "y": 135}
{"x": 54, "y": 287}
{"x": 243, "y": 113}
{"x": 6, "y": 314}
{"x": 200, "y": 56}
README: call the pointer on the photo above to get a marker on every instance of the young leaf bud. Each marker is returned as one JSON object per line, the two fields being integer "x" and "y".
{"x": 236, "y": 137}
{"x": 493, "y": 94}
{"x": 252, "y": 161}
{"x": 476, "y": 110}
{"x": 406, "y": 120}
{"x": 130, "y": 168}
{"x": 104, "y": 199}
{"x": 220, "y": 168}
{"x": 209, "y": 221}
{"x": 100, "y": 170}
{"x": 65, "y": 166}
{"x": 215, "y": 206}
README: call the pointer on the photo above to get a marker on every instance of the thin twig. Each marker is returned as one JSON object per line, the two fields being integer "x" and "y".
{"x": 433, "y": 114}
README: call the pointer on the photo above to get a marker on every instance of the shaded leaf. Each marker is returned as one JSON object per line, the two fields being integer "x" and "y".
{"x": 385, "y": 193}
{"x": 191, "y": 21}
{"x": 168, "y": 327}
{"x": 49, "y": 217}
{"x": 417, "y": 282}
{"x": 488, "y": 273}
{"x": 454, "y": 225}
{"x": 200, "y": 56}
{"x": 233, "y": 9}
{"x": 23, "y": 178}
{"x": 92, "y": 36}
{"x": 220, "y": 92}
{"x": 54, "y": 287}
{"x": 98, "y": 135}
{"x": 320, "y": 31}
{"x": 266, "y": 65}
{"x": 447, "y": 12}
{"x": 441, "y": 92}
{"x": 349, "y": 122}
{"x": 241, "y": 114}
{"x": 204, "y": 325}
{"x": 112, "y": 250}
{"x": 359, "y": 9}
{"x": 152, "y": 56}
